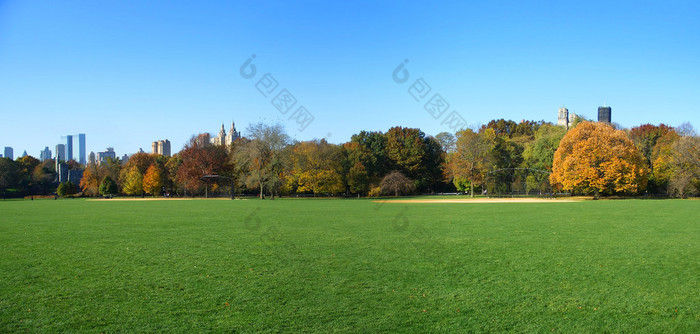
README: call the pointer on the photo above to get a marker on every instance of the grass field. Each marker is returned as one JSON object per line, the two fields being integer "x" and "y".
{"x": 349, "y": 266}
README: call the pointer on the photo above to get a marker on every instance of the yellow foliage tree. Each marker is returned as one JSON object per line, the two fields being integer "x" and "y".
{"x": 133, "y": 181}
{"x": 316, "y": 167}
{"x": 153, "y": 180}
{"x": 594, "y": 158}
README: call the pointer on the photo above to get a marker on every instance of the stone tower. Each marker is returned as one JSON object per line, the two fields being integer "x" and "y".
{"x": 563, "y": 119}
{"x": 233, "y": 135}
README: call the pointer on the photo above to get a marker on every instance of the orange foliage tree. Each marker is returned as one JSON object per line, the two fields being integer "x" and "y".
{"x": 153, "y": 180}
{"x": 594, "y": 158}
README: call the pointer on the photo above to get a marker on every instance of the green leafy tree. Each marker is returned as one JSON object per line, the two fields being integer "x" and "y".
{"x": 418, "y": 157}
{"x": 108, "y": 187}
{"x": 369, "y": 149}
{"x": 9, "y": 176}
{"x": 66, "y": 189}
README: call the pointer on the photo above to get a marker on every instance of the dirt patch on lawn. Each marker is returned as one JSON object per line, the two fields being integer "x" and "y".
{"x": 481, "y": 200}
{"x": 153, "y": 199}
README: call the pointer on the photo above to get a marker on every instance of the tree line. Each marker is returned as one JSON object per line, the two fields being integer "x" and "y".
{"x": 500, "y": 157}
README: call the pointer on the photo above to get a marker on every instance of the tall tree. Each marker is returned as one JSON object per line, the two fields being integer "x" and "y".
{"x": 594, "y": 158}
{"x": 649, "y": 138}
{"x": 418, "y": 157}
{"x": 260, "y": 159}
{"x": 685, "y": 179}
{"x": 43, "y": 177}
{"x": 447, "y": 141}
{"x": 9, "y": 176}
{"x": 471, "y": 159}
{"x": 369, "y": 149}
{"x": 539, "y": 154}
{"x": 92, "y": 178}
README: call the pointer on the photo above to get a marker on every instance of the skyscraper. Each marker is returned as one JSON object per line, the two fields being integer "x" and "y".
{"x": 9, "y": 153}
{"x": 164, "y": 147}
{"x": 81, "y": 149}
{"x": 45, "y": 154}
{"x": 69, "y": 147}
{"x": 604, "y": 114}
{"x": 61, "y": 152}
{"x": 161, "y": 147}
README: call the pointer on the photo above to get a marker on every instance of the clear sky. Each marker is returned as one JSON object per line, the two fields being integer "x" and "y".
{"x": 127, "y": 73}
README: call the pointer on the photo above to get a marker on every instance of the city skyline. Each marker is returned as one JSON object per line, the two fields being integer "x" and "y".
{"x": 126, "y": 75}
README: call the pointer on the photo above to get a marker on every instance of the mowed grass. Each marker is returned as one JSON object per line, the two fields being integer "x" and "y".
{"x": 349, "y": 266}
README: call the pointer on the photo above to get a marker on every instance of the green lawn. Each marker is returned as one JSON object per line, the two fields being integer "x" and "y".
{"x": 331, "y": 265}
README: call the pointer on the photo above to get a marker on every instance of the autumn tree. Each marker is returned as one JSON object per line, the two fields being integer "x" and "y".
{"x": 447, "y": 141}
{"x": 316, "y": 167}
{"x": 594, "y": 158}
{"x": 685, "y": 179}
{"x": 260, "y": 159}
{"x": 43, "y": 177}
{"x": 133, "y": 181}
{"x": 172, "y": 166}
{"x": 662, "y": 162}
{"x": 199, "y": 158}
{"x": 136, "y": 165}
{"x": 396, "y": 183}
{"x": 92, "y": 178}
{"x": 649, "y": 138}
{"x": 153, "y": 180}
{"x": 471, "y": 159}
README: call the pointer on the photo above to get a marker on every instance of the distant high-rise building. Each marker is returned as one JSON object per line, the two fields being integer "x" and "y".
{"x": 233, "y": 135}
{"x": 69, "y": 147}
{"x": 164, "y": 147}
{"x": 61, "y": 152}
{"x": 92, "y": 158}
{"x": 102, "y": 156}
{"x": 81, "y": 149}
{"x": 161, "y": 147}
{"x": 61, "y": 172}
{"x": 24, "y": 154}
{"x": 45, "y": 154}
{"x": 9, "y": 153}
{"x": 604, "y": 114}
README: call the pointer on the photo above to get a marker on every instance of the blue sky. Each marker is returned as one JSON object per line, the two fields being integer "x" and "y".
{"x": 127, "y": 73}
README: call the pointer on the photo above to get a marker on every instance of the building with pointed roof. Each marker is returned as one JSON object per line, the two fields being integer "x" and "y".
{"x": 226, "y": 139}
